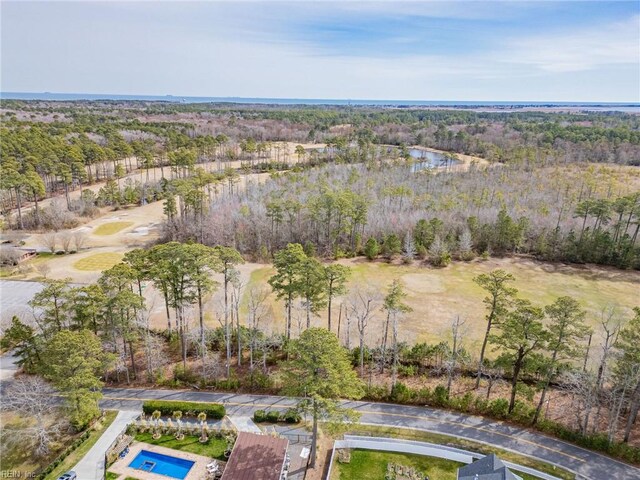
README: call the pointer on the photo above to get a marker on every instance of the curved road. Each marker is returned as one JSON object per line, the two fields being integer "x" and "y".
{"x": 587, "y": 464}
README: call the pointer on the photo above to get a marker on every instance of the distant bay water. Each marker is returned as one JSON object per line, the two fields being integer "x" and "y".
{"x": 631, "y": 106}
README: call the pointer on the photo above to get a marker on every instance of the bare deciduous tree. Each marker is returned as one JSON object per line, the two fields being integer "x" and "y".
{"x": 258, "y": 311}
{"x": 451, "y": 364}
{"x": 33, "y": 398}
{"x": 43, "y": 269}
{"x": 79, "y": 240}
{"x": 50, "y": 240}
{"x": 65, "y": 239}
{"x": 362, "y": 305}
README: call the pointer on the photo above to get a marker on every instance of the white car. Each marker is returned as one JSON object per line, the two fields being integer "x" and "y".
{"x": 71, "y": 475}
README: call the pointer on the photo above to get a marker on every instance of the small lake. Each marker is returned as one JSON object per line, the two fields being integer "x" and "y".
{"x": 425, "y": 159}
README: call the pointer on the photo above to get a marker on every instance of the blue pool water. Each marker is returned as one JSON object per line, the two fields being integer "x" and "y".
{"x": 162, "y": 464}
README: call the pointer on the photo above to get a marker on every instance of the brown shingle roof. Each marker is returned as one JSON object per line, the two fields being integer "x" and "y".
{"x": 256, "y": 457}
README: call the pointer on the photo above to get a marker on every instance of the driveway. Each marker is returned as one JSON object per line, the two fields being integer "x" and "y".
{"x": 587, "y": 464}
{"x": 91, "y": 467}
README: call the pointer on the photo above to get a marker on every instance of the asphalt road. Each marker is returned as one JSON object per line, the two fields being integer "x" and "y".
{"x": 585, "y": 463}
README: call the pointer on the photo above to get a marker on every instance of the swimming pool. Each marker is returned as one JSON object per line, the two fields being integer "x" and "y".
{"x": 162, "y": 464}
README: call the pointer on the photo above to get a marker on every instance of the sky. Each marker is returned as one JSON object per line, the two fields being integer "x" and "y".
{"x": 416, "y": 50}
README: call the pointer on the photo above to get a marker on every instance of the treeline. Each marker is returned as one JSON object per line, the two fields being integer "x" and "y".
{"x": 559, "y": 214}
{"x": 533, "y": 347}
{"x": 515, "y": 136}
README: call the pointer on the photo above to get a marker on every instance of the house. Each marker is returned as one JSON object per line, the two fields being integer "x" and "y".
{"x": 257, "y": 457}
{"x": 486, "y": 468}
{"x": 12, "y": 255}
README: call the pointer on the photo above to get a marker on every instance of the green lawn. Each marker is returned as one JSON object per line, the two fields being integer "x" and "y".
{"x": 98, "y": 261}
{"x": 214, "y": 448}
{"x": 111, "y": 228}
{"x": 372, "y": 465}
{"x": 69, "y": 462}
{"x": 423, "y": 436}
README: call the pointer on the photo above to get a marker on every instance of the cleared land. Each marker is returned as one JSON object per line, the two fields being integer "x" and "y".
{"x": 437, "y": 295}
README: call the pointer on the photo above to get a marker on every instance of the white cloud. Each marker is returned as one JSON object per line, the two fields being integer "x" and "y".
{"x": 612, "y": 44}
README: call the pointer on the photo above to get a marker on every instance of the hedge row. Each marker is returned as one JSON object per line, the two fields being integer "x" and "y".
{"x": 498, "y": 408}
{"x": 273, "y": 416}
{"x": 67, "y": 451}
{"x": 214, "y": 411}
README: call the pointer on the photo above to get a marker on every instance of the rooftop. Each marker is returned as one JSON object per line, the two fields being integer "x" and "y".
{"x": 256, "y": 457}
{"x": 486, "y": 468}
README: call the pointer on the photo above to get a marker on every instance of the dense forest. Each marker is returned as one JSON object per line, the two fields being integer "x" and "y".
{"x": 542, "y": 199}
{"x": 554, "y": 213}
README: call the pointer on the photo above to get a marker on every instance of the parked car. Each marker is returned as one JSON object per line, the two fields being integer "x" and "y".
{"x": 71, "y": 475}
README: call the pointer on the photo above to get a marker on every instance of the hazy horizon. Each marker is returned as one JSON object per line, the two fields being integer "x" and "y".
{"x": 544, "y": 51}
{"x": 315, "y": 100}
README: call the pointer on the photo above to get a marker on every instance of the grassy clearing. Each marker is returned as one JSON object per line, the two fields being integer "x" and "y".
{"x": 41, "y": 257}
{"x": 423, "y": 436}
{"x": 17, "y": 456}
{"x": 373, "y": 464}
{"x": 97, "y": 431}
{"x": 437, "y": 295}
{"x": 214, "y": 448}
{"x": 98, "y": 262}
{"x": 111, "y": 228}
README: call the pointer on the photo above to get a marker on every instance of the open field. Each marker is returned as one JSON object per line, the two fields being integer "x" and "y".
{"x": 98, "y": 262}
{"x": 437, "y": 295}
{"x": 111, "y": 228}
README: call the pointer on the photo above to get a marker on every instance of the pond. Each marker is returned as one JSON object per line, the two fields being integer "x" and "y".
{"x": 426, "y": 159}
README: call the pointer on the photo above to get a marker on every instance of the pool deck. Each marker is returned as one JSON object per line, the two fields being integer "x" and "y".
{"x": 121, "y": 466}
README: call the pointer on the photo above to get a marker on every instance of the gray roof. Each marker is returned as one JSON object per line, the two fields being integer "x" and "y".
{"x": 486, "y": 468}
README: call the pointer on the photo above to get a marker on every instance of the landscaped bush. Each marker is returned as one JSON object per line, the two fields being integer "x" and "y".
{"x": 189, "y": 409}
{"x": 273, "y": 416}
{"x": 291, "y": 416}
{"x": 259, "y": 416}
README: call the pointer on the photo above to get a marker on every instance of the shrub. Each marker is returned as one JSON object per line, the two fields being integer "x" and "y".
{"x": 259, "y": 416}
{"x": 377, "y": 393}
{"x": 291, "y": 416}
{"x": 522, "y": 413}
{"x": 371, "y": 248}
{"x": 401, "y": 393}
{"x": 273, "y": 416}
{"x": 258, "y": 381}
{"x": 185, "y": 375}
{"x": 189, "y": 409}
{"x": 407, "y": 370}
{"x": 499, "y": 408}
{"x": 440, "y": 396}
